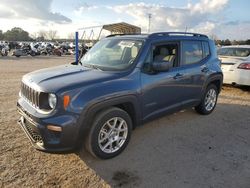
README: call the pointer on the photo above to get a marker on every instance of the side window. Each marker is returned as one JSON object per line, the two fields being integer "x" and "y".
{"x": 206, "y": 49}
{"x": 162, "y": 53}
{"x": 191, "y": 52}
{"x": 165, "y": 53}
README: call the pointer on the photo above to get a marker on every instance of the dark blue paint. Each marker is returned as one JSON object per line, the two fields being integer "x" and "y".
{"x": 91, "y": 90}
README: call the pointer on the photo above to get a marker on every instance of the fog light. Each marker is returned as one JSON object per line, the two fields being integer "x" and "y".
{"x": 54, "y": 128}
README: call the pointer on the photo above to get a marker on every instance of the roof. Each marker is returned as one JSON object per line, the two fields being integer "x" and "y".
{"x": 122, "y": 28}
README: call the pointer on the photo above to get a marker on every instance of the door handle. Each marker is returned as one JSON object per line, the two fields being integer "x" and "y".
{"x": 178, "y": 76}
{"x": 204, "y": 69}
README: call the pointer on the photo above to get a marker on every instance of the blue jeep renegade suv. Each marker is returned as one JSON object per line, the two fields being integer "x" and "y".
{"x": 120, "y": 83}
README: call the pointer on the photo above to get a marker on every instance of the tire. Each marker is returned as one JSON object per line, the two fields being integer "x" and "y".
{"x": 17, "y": 55}
{"x": 206, "y": 107}
{"x": 102, "y": 137}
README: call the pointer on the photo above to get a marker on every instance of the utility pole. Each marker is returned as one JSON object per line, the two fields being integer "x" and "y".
{"x": 149, "y": 21}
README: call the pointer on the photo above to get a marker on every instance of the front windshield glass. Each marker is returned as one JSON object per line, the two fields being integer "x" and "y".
{"x": 112, "y": 54}
{"x": 237, "y": 52}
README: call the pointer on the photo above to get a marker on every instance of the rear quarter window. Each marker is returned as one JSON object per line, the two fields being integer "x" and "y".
{"x": 191, "y": 52}
{"x": 206, "y": 49}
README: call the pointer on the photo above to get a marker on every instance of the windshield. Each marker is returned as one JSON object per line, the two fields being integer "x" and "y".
{"x": 112, "y": 54}
{"x": 237, "y": 52}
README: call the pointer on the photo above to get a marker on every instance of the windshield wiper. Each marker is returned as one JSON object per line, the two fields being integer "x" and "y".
{"x": 92, "y": 66}
{"x": 96, "y": 67}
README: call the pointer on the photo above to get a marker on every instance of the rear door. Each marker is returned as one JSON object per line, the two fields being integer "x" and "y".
{"x": 194, "y": 57}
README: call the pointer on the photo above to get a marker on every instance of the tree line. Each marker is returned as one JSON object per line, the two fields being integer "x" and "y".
{"x": 15, "y": 34}
{"x": 18, "y": 34}
{"x": 227, "y": 42}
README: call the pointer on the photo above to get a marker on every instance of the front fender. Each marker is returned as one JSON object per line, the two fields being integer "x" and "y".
{"x": 88, "y": 114}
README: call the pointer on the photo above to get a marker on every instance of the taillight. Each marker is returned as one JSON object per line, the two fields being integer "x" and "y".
{"x": 244, "y": 66}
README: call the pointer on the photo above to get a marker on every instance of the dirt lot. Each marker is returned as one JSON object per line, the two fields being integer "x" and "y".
{"x": 180, "y": 150}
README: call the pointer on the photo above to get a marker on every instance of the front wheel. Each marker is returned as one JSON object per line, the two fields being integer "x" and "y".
{"x": 110, "y": 133}
{"x": 208, "y": 101}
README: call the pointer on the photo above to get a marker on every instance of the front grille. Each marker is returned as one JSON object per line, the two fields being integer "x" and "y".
{"x": 35, "y": 136}
{"x": 31, "y": 95}
{"x": 22, "y": 111}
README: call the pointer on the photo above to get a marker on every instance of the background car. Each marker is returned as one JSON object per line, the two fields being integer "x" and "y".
{"x": 235, "y": 64}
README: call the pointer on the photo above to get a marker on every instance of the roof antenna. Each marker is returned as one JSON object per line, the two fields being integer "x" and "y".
{"x": 149, "y": 21}
{"x": 186, "y": 28}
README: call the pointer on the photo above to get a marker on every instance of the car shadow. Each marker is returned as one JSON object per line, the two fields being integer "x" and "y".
{"x": 182, "y": 150}
{"x": 241, "y": 87}
{"x": 244, "y": 88}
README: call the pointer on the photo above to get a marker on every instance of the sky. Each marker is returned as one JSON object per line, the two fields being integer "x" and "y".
{"x": 218, "y": 18}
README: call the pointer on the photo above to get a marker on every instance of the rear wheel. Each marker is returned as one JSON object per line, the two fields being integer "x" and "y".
{"x": 110, "y": 133}
{"x": 208, "y": 101}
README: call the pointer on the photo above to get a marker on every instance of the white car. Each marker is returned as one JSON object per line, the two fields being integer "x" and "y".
{"x": 235, "y": 64}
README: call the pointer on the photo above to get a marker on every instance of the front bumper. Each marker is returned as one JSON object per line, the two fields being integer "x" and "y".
{"x": 45, "y": 139}
{"x": 32, "y": 133}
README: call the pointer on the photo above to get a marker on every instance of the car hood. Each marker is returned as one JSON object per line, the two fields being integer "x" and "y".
{"x": 66, "y": 77}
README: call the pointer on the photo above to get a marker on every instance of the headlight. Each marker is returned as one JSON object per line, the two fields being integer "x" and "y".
{"x": 52, "y": 100}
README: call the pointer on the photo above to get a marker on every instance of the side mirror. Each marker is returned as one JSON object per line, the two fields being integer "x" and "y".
{"x": 161, "y": 66}
{"x": 73, "y": 63}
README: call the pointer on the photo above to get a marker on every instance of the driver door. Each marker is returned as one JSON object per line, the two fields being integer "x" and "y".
{"x": 162, "y": 91}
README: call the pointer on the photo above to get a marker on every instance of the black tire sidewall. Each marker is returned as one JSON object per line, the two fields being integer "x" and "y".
{"x": 99, "y": 121}
{"x": 202, "y": 108}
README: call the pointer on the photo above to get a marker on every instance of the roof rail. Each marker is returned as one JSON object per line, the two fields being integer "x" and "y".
{"x": 177, "y": 34}
{"x": 113, "y": 35}
{"x": 121, "y": 34}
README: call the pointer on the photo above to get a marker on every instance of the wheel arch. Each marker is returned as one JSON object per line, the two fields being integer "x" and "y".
{"x": 128, "y": 103}
{"x": 217, "y": 80}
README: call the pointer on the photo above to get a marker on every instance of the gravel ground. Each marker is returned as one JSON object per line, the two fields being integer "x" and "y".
{"x": 180, "y": 150}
